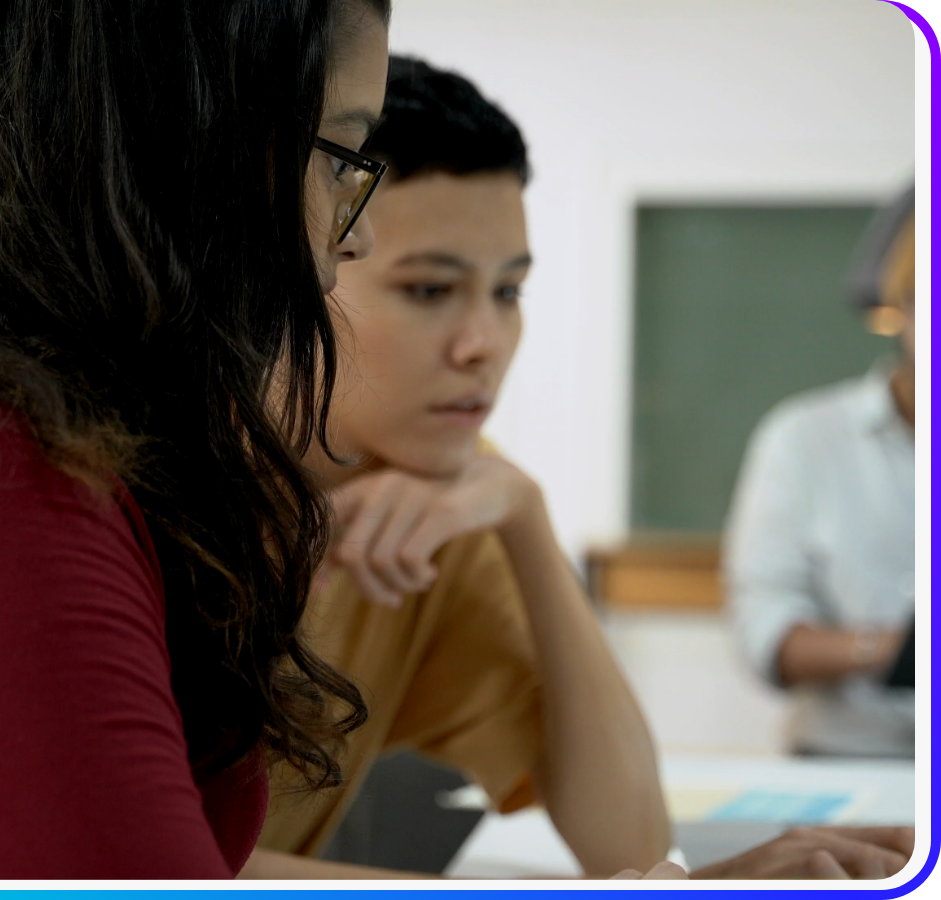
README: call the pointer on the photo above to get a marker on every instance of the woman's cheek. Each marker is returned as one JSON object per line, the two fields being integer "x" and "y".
{"x": 318, "y": 216}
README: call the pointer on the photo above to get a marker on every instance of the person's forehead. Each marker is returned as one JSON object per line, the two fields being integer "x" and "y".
{"x": 480, "y": 216}
{"x": 361, "y": 119}
{"x": 357, "y": 85}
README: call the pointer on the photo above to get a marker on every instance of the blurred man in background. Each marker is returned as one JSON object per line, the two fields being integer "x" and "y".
{"x": 820, "y": 547}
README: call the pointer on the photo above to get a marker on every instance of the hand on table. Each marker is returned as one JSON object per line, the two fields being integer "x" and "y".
{"x": 825, "y": 852}
{"x": 391, "y": 523}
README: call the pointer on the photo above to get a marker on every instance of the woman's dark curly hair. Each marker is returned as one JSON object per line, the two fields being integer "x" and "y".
{"x": 154, "y": 269}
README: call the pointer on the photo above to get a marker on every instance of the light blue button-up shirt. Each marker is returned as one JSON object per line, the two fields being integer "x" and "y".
{"x": 822, "y": 531}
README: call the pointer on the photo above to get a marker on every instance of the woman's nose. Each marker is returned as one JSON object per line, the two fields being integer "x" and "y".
{"x": 359, "y": 243}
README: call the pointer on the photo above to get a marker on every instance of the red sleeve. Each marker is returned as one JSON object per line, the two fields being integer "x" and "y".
{"x": 94, "y": 776}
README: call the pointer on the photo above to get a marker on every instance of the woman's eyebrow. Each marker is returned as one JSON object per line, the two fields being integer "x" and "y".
{"x": 353, "y": 120}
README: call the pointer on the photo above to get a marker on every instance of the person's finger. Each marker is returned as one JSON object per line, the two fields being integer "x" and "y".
{"x": 821, "y": 864}
{"x": 899, "y": 838}
{"x": 352, "y": 548}
{"x": 373, "y": 589}
{"x": 864, "y": 860}
{"x": 664, "y": 871}
{"x": 628, "y": 875}
{"x": 385, "y": 555}
{"x": 440, "y": 523}
{"x": 352, "y": 543}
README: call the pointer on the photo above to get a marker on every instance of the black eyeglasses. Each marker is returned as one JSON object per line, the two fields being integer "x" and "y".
{"x": 361, "y": 173}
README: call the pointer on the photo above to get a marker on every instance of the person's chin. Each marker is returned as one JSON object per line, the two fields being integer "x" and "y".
{"x": 433, "y": 462}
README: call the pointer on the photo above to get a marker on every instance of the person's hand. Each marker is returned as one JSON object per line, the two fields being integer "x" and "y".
{"x": 660, "y": 872}
{"x": 391, "y": 523}
{"x": 888, "y": 646}
{"x": 825, "y": 852}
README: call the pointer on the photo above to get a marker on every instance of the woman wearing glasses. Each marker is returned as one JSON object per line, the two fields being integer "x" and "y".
{"x": 168, "y": 232}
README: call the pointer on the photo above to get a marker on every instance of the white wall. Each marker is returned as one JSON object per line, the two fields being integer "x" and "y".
{"x": 693, "y": 686}
{"x": 641, "y": 99}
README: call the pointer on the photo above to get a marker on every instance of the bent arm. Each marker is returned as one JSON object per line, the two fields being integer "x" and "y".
{"x": 769, "y": 568}
{"x": 599, "y": 777}
{"x": 816, "y": 655}
{"x": 768, "y": 559}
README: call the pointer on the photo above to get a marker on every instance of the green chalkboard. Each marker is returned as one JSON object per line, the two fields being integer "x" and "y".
{"x": 736, "y": 308}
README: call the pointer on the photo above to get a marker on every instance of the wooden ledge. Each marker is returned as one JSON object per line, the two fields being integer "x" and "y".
{"x": 658, "y": 572}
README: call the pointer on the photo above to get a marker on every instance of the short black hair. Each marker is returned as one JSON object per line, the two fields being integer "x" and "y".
{"x": 437, "y": 121}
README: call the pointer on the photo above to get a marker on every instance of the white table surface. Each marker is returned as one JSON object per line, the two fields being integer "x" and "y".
{"x": 525, "y": 845}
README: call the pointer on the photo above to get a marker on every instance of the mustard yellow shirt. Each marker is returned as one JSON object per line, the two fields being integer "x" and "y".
{"x": 451, "y": 674}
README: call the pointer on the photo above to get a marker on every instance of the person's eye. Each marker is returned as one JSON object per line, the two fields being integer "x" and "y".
{"x": 427, "y": 293}
{"x": 508, "y": 293}
{"x": 341, "y": 168}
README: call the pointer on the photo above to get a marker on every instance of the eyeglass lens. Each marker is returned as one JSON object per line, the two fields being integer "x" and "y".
{"x": 348, "y": 213}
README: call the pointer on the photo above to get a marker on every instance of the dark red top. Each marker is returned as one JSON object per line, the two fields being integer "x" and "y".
{"x": 94, "y": 776}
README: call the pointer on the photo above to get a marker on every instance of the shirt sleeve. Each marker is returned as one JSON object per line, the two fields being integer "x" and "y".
{"x": 474, "y": 702}
{"x": 768, "y": 565}
{"x": 93, "y": 759}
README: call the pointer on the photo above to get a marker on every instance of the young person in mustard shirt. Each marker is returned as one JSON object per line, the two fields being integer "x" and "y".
{"x": 448, "y": 600}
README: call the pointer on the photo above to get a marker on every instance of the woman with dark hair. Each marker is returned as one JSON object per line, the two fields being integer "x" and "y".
{"x": 179, "y": 182}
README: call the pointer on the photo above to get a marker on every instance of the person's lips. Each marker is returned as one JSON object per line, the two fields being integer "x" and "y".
{"x": 468, "y": 410}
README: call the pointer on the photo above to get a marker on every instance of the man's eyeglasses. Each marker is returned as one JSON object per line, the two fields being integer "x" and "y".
{"x": 356, "y": 172}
